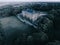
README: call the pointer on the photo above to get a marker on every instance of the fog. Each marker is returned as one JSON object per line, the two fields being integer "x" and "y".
{"x": 29, "y": 0}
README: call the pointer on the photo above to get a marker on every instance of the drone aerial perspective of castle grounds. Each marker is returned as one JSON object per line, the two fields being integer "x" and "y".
{"x": 30, "y": 23}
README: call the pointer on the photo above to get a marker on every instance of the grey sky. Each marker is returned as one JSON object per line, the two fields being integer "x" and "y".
{"x": 29, "y": 0}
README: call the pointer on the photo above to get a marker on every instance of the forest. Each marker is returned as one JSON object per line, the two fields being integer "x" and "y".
{"x": 15, "y": 32}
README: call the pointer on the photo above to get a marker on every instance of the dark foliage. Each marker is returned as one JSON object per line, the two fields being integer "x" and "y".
{"x": 48, "y": 26}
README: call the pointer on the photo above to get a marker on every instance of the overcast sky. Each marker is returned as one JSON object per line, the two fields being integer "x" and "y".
{"x": 29, "y": 0}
